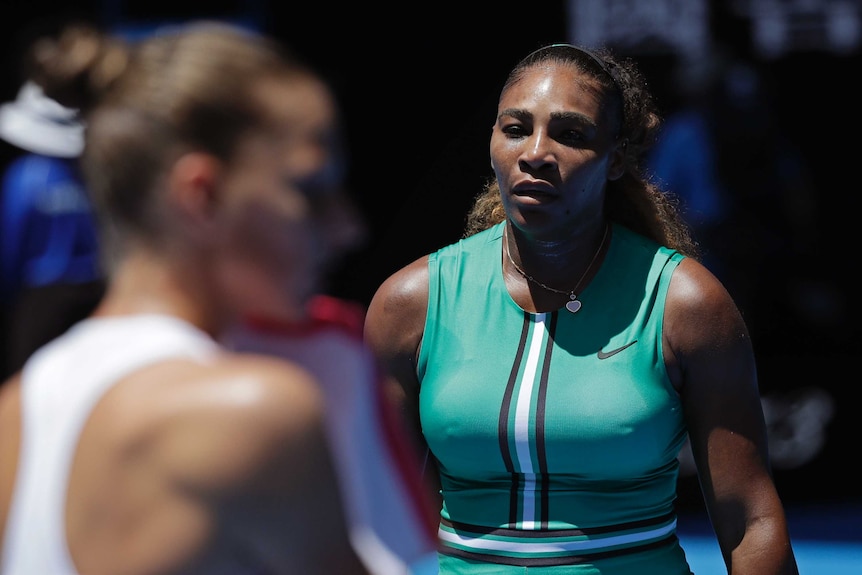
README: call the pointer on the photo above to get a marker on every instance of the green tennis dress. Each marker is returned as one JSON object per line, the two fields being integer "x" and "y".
{"x": 557, "y": 434}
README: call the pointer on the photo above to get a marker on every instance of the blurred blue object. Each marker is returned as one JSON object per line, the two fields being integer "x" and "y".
{"x": 136, "y": 19}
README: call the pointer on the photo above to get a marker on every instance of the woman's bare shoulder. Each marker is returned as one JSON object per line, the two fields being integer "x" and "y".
{"x": 404, "y": 286}
{"x": 396, "y": 314}
{"x": 220, "y": 423}
{"x": 707, "y": 342}
{"x": 697, "y": 298}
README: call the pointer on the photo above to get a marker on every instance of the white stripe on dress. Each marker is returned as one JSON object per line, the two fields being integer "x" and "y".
{"x": 522, "y": 420}
{"x": 531, "y": 546}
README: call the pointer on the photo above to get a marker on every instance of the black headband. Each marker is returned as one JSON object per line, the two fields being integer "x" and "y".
{"x": 592, "y": 55}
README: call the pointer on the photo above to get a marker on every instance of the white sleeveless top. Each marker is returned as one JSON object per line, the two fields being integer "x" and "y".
{"x": 60, "y": 385}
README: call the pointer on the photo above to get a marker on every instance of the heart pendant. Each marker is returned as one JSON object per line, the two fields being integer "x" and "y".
{"x": 573, "y": 306}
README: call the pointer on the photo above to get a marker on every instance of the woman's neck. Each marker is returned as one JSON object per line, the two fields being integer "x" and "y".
{"x": 143, "y": 282}
{"x": 559, "y": 263}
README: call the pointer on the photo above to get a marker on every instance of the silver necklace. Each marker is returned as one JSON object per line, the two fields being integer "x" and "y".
{"x": 574, "y": 304}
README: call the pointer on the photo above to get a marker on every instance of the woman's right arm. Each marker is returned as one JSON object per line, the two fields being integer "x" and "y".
{"x": 394, "y": 324}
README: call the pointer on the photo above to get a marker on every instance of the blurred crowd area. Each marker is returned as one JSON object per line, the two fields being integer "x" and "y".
{"x": 760, "y": 105}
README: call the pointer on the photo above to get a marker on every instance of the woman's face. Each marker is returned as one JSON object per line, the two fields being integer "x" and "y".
{"x": 316, "y": 161}
{"x": 282, "y": 189}
{"x": 551, "y": 150}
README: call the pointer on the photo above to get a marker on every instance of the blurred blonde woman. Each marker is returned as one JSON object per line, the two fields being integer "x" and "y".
{"x": 136, "y": 443}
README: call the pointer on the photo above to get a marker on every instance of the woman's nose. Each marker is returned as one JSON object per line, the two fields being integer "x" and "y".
{"x": 538, "y": 150}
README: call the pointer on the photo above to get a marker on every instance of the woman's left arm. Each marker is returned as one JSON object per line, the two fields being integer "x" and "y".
{"x": 710, "y": 357}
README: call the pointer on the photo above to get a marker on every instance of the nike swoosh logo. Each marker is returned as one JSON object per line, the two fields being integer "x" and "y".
{"x": 607, "y": 354}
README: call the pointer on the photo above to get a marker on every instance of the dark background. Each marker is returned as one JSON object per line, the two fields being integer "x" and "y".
{"x": 418, "y": 86}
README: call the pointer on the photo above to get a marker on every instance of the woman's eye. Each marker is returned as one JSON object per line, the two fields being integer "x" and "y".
{"x": 514, "y": 130}
{"x": 571, "y": 137}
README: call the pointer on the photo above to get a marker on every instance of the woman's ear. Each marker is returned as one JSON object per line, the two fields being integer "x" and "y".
{"x": 193, "y": 184}
{"x": 617, "y": 167}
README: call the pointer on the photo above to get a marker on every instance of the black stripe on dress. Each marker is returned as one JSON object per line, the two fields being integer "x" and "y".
{"x": 503, "y": 423}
